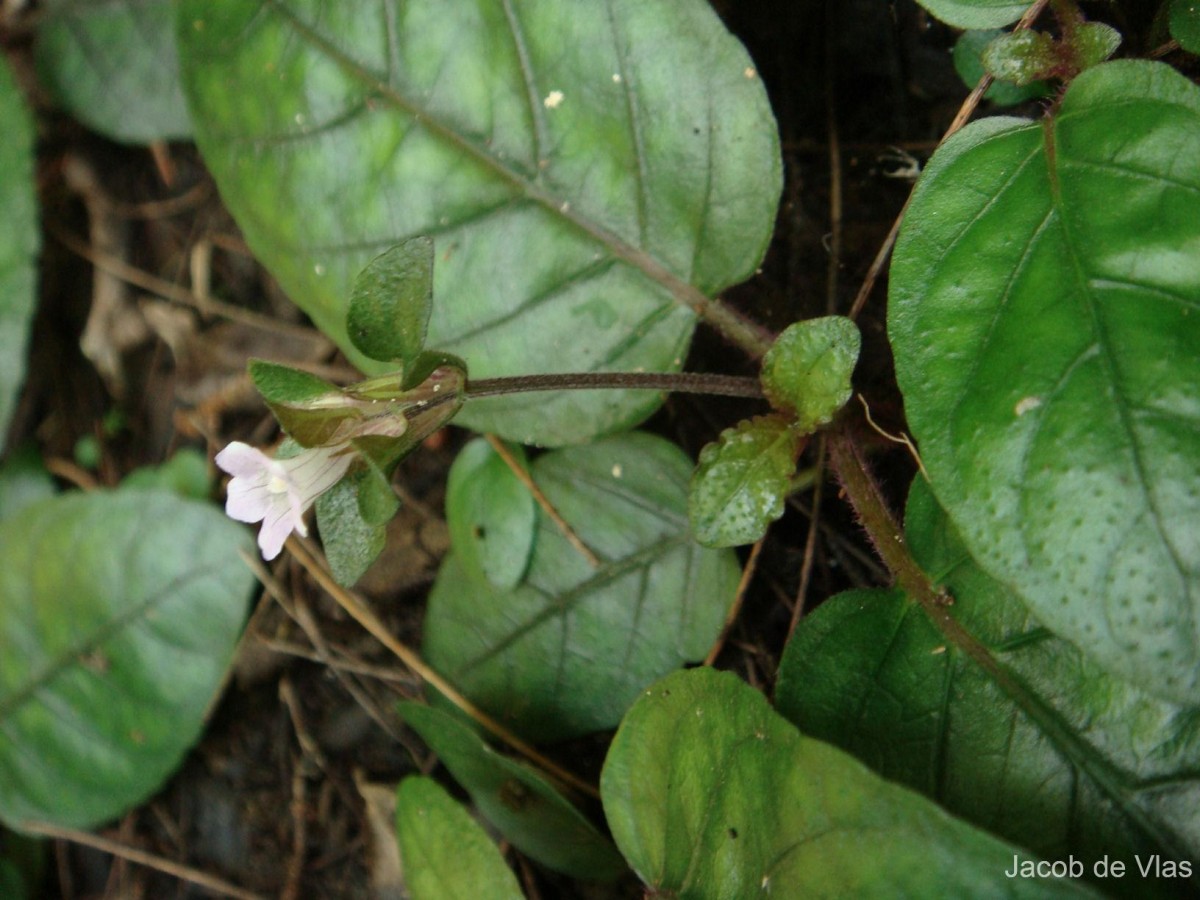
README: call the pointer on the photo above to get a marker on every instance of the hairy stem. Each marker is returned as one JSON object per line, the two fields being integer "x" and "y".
{"x": 680, "y": 383}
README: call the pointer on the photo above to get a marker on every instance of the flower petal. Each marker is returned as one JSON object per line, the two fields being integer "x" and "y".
{"x": 240, "y": 459}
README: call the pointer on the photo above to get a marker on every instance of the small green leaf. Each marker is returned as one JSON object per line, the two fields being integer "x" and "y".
{"x": 114, "y": 66}
{"x": 492, "y": 516}
{"x": 444, "y": 852}
{"x": 566, "y": 651}
{"x": 742, "y": 481}
{"x": 20, "y": 238}
{"x": 516, "y": 799}
{"x": 1021, "y": 57}
{"x": 1185, "y": 24}
{"x": 976, "y": 13}
{"x": 119, "y": 613}
{"x": 351, "y": 542}
{"x": 968, "y": 62}
{"x": 1093, "y": 43}
{"x": 807, "y": 370}
{"x": 390, "y": 303}
{"x": 1043, "y": 320}
{"x": 710, "y": 793}
{"x": 1077, "y": 764}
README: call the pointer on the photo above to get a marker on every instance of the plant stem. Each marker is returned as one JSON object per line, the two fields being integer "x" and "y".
{"x": 681, "y": 383}
{"x": 888, "y": 538}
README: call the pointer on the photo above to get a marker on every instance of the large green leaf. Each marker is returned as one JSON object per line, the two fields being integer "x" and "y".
{"x": 976, "y": 13}
{"x": 1078, "y": 764}
{"x": 517, "y": 800}
{"x": 567, "y": 650}
{"x": 20, "y": 237}
{"x": 581, "y": 167}
{"x": 710, "y": 794}
{"x": 118, "y": 615}
{"x": 113, "y": 65}
{"x": 1044, "y": 300}
{"x": 445, "y": 853}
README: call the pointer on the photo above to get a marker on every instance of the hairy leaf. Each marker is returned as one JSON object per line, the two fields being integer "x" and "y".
{"x": 1074, "y": 763}
{"x": 807, "y": 370}
{"x": 1044, "y": 320}
{"x": 742, "y": 481}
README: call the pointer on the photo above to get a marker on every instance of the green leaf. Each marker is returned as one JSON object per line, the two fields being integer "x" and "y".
{"x": 588, "y": 171}
{"x": 1093, "y": 43}
{"x": 807, "y": 370}
{"x": 390, "y": 303}
{"x": 566, "y": 651}
{"x": 445, "y": 853}
{"x": 185, "y": 474}
{"x": 522, "y": 805}
{"x": 20, "y": 239}
{"x": 119, "y": 613}
{"x": 351, "y": 541}
{"x": 968, "y": 62}
{"x": 114, "y": 66}
{"x": 1022, "y": 57}
{"x": 976, "y": 13}
{"x": 492, "y": 516}
{"x": 1078, "y": 764}
{"x": 23, "y": 480}
{"x": 1184, "y": 19}
{"x": 1043, "y": 318}
{"x": 710, "y": 794}
{"x": 742, "y": 481}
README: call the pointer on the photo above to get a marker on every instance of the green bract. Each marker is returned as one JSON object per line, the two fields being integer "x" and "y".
{"x": 519, "y": 802}
{"x": 1075, "y": 762}
{"x": 565, "y": 651}
{"x": 710, "y": 794}
{"x": 390, "y": 303}
{"x": 742, "y": 480}
{"x": 588, "y": 171}
{"x": 19, "y": 242}
{"x": 807, "y": 370}
{"x": 1043, "y": 318}
{"x": 118, "y": 616}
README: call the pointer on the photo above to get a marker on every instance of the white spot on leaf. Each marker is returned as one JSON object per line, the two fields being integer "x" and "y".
{"x": 553, "y": 100}
{"x": 1025, "y": 404}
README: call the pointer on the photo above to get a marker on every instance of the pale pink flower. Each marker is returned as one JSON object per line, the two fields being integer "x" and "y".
{"x": 278, "y": 492}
